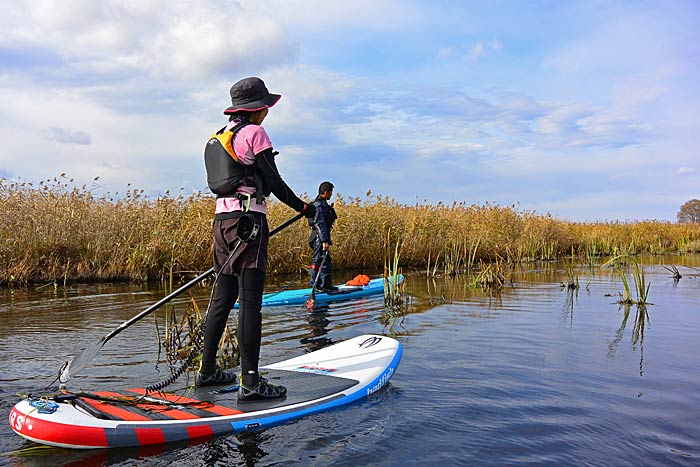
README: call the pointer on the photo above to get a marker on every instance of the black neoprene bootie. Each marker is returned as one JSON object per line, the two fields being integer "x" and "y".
{"x": 327, "y": 283}
{"x": 262, "y": 391}
{"x": 217, "y": 378}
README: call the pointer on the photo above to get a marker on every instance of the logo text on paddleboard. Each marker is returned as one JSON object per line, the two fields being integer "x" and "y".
{"x": 370, "y": 342}
{"x": 315, "y": 369}
{"x": 379, "y": 383}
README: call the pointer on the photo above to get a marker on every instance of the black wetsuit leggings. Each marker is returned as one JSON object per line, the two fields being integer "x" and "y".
{"x": 249, "y": 284}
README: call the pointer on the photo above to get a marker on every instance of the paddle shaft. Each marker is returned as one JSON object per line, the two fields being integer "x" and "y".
{"x": 312, "y": 297}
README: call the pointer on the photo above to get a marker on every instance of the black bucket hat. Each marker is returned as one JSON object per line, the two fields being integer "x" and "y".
{"x": 251, "y": 94}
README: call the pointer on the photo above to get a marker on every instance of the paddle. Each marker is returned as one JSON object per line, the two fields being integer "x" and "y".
{"x": 70, "y": 368}
{"x": 311, "y": 301}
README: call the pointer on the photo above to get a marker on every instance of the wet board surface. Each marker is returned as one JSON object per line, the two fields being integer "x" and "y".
{"x": 317, "y": 381}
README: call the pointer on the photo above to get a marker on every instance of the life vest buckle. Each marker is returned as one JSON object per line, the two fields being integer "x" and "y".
{"x": 242, "y": 198}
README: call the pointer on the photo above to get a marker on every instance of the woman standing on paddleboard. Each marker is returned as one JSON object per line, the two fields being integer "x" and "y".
{"x": 241, "y": 170}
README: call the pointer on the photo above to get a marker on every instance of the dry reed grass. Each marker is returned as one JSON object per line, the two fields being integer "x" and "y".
{"x": 55, "y": 232}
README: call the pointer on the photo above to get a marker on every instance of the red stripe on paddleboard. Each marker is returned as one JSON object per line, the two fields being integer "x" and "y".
{"x": 166, "y": 411}
{"x": 150, "y": 435}
{"x": 59, "y": 433}
{"x": 118, "y": 412}
{"x": 199, "y": 431}
{"x": 170, "y": 412}
{"x": 194, "y": 403}
{"x": 129, "y": 413}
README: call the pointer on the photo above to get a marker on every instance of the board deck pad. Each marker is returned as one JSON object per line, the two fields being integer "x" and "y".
{"x": 325, "y": 379}
{"x": 210, "y": 402}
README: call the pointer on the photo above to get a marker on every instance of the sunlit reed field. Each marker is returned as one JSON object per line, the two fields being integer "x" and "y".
{"x": 54, "y": 232}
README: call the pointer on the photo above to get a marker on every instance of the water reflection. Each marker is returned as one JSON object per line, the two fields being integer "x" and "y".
{"x": 449, "y": 290}
{"x": 250, "y": 447}
{"x": 568, "y": 312}
{"x": 527, "y": 368}
{"x": 318, "y": 322}
{"x": 641, "y": 321}
{"x": 393, "y": 318}
{"x": 35, "y": 455}
{"x": 241, "y": 449}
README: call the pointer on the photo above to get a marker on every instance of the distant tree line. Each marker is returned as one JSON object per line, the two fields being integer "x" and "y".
{"x": 690, "y": 212}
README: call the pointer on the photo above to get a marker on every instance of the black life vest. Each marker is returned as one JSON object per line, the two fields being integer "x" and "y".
{"x": 328, "y": 211}
{"x": 225, "y": 172}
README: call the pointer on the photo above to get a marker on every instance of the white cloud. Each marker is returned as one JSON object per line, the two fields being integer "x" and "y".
{"x": 333, "y": 16}
{"x": 588, "y": 125}
{"x": 196, "y": 47}
{"x": 69, "y": 137}
{"x": 312, "y": 97}
{"x": 484, "y": 48}
{"x": 173, "y": 40}
{"x": 128, "y": 90}
{"x": 146, "y": 149}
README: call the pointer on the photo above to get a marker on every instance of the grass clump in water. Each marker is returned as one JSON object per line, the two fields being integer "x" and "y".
{"x": 641, "y": 286}
{"x": 393, "y": 285}
{"x": 571, "y": 276}
{"x": 491, "y": 275}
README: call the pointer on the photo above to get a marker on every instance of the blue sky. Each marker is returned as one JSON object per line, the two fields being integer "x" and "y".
{"x": 588, "y": 110}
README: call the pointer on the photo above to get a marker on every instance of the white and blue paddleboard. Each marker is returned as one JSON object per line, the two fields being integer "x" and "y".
{"x": 317, "y": 381}
{"x": 344, "y": 292}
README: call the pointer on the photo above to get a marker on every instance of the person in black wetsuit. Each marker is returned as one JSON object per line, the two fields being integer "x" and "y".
{"x": 241, "y": 187}
{"x": 320, "y": 239}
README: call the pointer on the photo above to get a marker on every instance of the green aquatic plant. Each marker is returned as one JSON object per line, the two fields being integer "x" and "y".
{"x": 676, "y": 273}
{"x": 393, "y": 285}
{"x": 548, "y": 250}
{"x": 591, "y": 251}
{"x": 682, "y": 244}
{"x": 182, "y": 333}
{"x": 572, "y": 282}
{"x": 394, "y": 296}
{"x": 514, "y": 256}
{"x": 641, "y": 286}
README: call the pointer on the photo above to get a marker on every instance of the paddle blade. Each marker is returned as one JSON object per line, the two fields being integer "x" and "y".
{"x": 311, "y": 301}
{"x": 80, "y": 361}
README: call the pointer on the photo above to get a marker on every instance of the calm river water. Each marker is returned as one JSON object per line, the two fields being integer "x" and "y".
{"x": 533, "y": 375}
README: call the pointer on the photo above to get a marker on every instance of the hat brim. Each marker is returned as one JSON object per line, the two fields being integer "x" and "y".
{"x": 264, "y": 103}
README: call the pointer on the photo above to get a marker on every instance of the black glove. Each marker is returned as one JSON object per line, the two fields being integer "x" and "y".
{"x": 309, "y": 211}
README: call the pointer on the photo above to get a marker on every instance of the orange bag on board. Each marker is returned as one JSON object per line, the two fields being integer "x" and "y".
{"x": 359, "y": 280}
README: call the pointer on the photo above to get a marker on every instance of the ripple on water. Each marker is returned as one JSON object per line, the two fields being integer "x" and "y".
{"x": 534, "y": 375}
